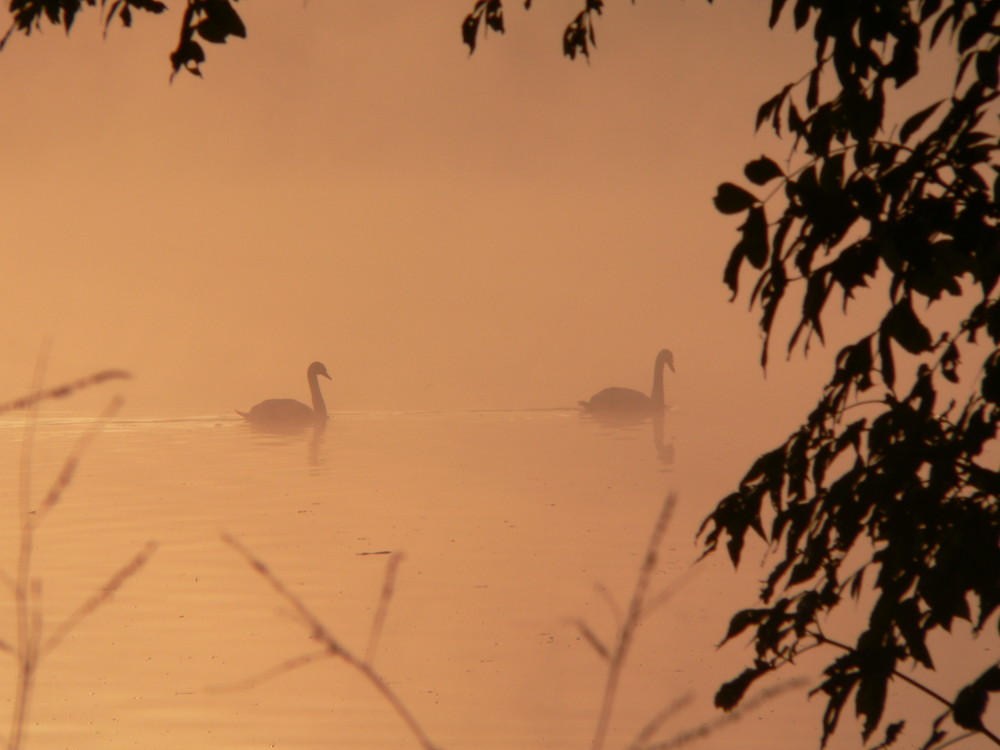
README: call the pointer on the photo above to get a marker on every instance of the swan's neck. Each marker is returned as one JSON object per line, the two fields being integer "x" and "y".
{"x": 319, "y": 406}
{"x": 656, "y": 395}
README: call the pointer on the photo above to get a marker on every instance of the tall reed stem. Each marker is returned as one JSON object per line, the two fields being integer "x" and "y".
{"x": 26, "y": 646}
{"x": 27, "y": 590}
{"x": 631, "y": 623}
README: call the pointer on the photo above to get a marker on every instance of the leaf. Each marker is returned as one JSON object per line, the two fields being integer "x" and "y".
{"x": 220, "y": 21}
{"x": 929, "y": 8}
{"x": 970, "y": 703}
{"x": 731, "y": 199}
{"x": 761, "y": 171}
{"x": 730, "y": 694}
{"x": 903, "y": 325}
{"x": 885, "y": 359}
{"x": 947, "y": 14}
{"x": 907, "y": 618}
{"x": 974, "y": 28}
{"x": 892, "y": 733}
{"x": 904, "y": 64}
{"x": 857, "y": 583}
{"x": 914, "y": 122}
{"x": 469, "y": 28}
{"x": 949, "y": 363}
{"x": 990, "y": 386}
{"x": 188, "y": 55}
{"x": 988, "y": 67}
{"x": 813, "y": 558}
{"x": 984, "y": 479}
{"x": 870, "y": 698}
{"x": 771, "y": 109}
{"x": 864, "y": 191}
{"x": 801, "y": 13}
{"x": 575, "y": 37}
{"x": 731, "y": 276}
{"x": 754, "y": 243}
{"x": 776, "y": 6}
{"x": 742, "y": 620}
{"x": 812, "y": 93}
{"x": 491, "y": 11}
{"x": 494, "y": 16}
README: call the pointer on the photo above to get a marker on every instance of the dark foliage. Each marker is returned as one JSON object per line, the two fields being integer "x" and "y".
{"x": 578, "y": 36}
{"x": 904, "y": 496}
{"x": 890, "y": 486}
{"x": 213, "y": 21}
{"x": 209, "y": 20}
{"x": 490, "y": 11}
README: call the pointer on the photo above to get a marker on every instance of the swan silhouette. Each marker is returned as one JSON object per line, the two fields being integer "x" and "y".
{"x": 630, "y": 403}
{"x": 286, "y": 413}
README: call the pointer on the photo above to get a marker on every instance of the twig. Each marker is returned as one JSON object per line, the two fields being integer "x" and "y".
{"x": 98, "y": 598}
{"x": 26, "y": 590}
{"x": 69, "y": 465}
{"x": 593, "y": 640}
{"x": 956, "y": 740}
{"x": 631, "y": 623}
{"x": 26, "y": 640}
{"x": 7, "y": 581}
{"x": 388, "y": 584}
{"x": 667, "y": 593}
{"x": 320, "y": 633}
{"x": 609, "y": 599}
{"x": 286, "y": 666}
{"x": 61, "y": 391}
{"x": 653, "y": 725}
{"x": 703, "y": 730}
{"x": 821, "y": 639}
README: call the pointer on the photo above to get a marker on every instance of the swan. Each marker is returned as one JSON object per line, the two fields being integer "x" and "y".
{"x": 627, "y": 402}
{"x": 289, "y": 413}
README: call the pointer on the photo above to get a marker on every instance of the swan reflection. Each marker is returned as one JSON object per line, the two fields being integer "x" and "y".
{"x": 617, "y": 407}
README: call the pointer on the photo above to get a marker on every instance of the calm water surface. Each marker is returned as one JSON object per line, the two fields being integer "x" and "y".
{"x": 513, "y": 526}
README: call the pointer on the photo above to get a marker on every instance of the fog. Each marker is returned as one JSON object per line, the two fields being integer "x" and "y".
{"x": 509, "y": 229}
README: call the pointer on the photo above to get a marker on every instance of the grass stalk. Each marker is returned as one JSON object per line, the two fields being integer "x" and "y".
{"x": 630, "y": 624}
{"x": 703, "y": 730}
{"x": 29, "y": 645}
{"x": 388, "y": 586}
{"x": 319, "y": 631}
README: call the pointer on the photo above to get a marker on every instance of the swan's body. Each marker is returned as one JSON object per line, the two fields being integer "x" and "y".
{"x": 628, "y": 402}
{"x": 285, "y": 413}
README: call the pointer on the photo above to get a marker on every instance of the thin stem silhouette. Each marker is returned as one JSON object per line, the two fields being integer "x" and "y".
{"x": 28, "y": 646}
{"x": 333, "y": 646}
{"x": 631, "y": 623}
{"x": 388, "y": 586}
{"x": 822, "y": 639}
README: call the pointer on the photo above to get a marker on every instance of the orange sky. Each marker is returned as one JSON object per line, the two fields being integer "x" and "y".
{"x": 502, "y": 231}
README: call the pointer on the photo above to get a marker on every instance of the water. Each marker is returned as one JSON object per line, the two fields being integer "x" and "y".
{"x": 513, "y": 528}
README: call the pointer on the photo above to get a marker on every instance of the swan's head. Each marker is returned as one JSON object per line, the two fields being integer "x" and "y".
{"x": 318, "y": 368}
{"x": 666, "y": 357}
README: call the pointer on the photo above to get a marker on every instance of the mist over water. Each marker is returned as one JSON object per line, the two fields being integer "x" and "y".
{"x": 507, "y": 521}
{"x": 472, "y": 246}
{"x": 513, "y": 529}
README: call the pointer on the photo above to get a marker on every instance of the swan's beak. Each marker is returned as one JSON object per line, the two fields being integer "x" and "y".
{"x": 325, "y": 375}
